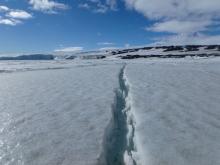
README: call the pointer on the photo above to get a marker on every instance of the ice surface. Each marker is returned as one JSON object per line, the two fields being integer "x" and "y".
{"x": 176, "y": 104}
{"x": 55, "y": 116}
{"x": 58, "y": 112}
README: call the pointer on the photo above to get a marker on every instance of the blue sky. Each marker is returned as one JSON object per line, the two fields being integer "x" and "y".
{"x": 30, "y": 26}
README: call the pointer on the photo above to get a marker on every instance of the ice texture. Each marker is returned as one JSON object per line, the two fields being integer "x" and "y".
{"x": 56, "y": 116}
{"x": 176, "y": 104}
{"x": 60, "y": 112}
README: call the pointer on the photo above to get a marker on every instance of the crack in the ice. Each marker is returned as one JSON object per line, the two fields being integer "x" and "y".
{"x": 119, "y": 139}
{"x": 131, "y": 148}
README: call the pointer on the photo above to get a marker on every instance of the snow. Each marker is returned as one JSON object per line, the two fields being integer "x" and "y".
{"x": 160, "y": 51}
{"x": 58, "y": 112}
{"x": 167, "y": 51}
{"x": 176, "y": 107}
{"x": 56, "y": 116}
{"x": 114, "y": 53}
{"x": 21, "y": 66}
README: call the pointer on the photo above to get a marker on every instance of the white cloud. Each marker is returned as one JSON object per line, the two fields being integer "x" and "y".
{"x": 180, "y": 17}
{"x": 108, "y": 48}
{"x": 99, "y": 6}
{"x": 84, "y": 6}
{"x": 3, "y": 8}
{"x": 179, "y": 9}
{"x": 48, "y": 6}
{"x": 12, "y": 17}
{"x": 105, "y": 43}
{"x": 175, "y": 26}
{"x": 11, "y": 22}
{"x": 19, "y": 14}
{"x": 183, "y": 39}
{"x": 112, "y": 4}
{"x": 69, "y": 49}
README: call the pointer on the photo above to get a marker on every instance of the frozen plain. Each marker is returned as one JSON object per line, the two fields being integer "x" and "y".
{"x": 57, "y": 112}
{"x": 55, "y": 116}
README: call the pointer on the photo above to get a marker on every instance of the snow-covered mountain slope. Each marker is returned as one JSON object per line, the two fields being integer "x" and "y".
{"x": 131, "y": 53}
{"x": 169, "y": 51}
{"x": 149, "y": 52}
{"x": 96, "y": 54}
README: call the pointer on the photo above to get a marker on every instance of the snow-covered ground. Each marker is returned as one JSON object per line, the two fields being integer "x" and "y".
{"x": 55, "y": 116}
{"x": 60, "y": 112}
{"x": 176, "y": 106}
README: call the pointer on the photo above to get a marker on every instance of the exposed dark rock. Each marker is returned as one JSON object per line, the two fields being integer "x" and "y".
{"x": 71, "y": 57}
{"x": 101, "y": 57}
{"x": 93, "y": 57}
{"x": 133, "y": 56}
{"x": 147, "y": 48}
{"x": 187, "y": 48}
{"x": 170, "y": 56}
{"x": 161, "y": 47}
{"x": 192, "y": 47}
{"x": 174, "y": 48}
{"x": 210, "y": 47}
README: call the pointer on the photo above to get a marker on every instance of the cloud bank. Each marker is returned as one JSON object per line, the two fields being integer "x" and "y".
{"x": 184, "y": 18}
{"x": 69, "y": 49}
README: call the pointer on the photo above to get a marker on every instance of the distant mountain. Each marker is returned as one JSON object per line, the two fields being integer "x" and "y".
{"x": 30, "y": 57}
{"x": 168, "y": 51}
{"x": 131, "y": 53}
